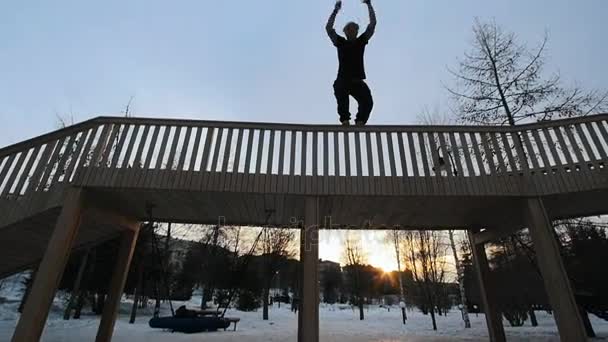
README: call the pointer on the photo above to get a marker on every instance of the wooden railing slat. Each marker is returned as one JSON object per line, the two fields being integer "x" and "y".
{"x": 270, "y": 153}
{"x": 380, "y": 154}
{"x": 248, "y": 152}
{"x": 456, "y": 153}
{"x": 541, "y": 148}
{"x": 564, "y": 146}
{"x": 347, "y": 154}
{"x": 237, "y": 155}
{"x": 596, "y": 140}
{"x": 226, "y": 157}
{"x": 281, "y": 169}
{"x": 410, "y": 142}
{"x": 337, "y": 169}
{"x": 370, "y": 162}
{"x": 556, "y": 157}
{"x": 216, "y": 151}
{"x": 402, "y": 156}
{"x": 509, "y": 152}
{"x": 423, "y": 155}
{"x": 391, "y": 154}
{"x": 185, "y": 147}
{"x": 28, "y": 168}
{"x": 15, "y": 171}
{"x": 586, "y": 144}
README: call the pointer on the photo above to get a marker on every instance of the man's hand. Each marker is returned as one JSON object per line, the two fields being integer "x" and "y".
{"x": 367, "y": 2}
{"x": 338, "y": 6}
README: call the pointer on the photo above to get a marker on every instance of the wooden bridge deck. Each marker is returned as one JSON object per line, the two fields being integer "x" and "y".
{"x": 373, "y": 177}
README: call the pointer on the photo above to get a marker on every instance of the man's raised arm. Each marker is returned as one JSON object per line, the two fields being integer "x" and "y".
{"x": 371, "y": 28}
{"x": 331, "y": 32}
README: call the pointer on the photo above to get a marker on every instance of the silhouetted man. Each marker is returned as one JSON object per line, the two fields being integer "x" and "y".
{"x": 351, "y": 74}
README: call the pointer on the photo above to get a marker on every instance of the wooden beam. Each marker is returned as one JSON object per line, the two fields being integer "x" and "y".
{"x": 32, "y": 320}
{"x": 308, "y": 315}
{"x": 493, "y": 316}
{"x": 569, "y": 322}
{"x": 119, "y": 277}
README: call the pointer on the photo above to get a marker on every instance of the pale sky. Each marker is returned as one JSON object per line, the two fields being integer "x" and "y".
{"x": 264, "y": 60}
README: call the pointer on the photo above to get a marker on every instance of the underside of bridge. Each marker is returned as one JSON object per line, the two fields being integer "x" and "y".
{"x": 53, "y": 202}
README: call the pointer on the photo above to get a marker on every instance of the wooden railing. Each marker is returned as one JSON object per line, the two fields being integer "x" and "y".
{"x": 54, "y": 159}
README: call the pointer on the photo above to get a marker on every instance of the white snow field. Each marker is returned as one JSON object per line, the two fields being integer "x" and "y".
{"x": 337, "y": 323}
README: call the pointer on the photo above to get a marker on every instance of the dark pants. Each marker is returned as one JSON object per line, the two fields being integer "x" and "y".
{"x": 360, "y": 92}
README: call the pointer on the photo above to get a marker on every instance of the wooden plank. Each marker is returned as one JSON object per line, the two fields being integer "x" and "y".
{"x": 326, "y": 154}
{"x": 541, "y": 148}
{"x": 499, "y": 153}
{"x": 123, "y": 178}
{"x": 77, "y": 154}
{"x": 315, "y": 157}
{"x": 575, "y": 147}
{"x": 51, "y": 163}
{"x": 304, "y": 159}
{"x": 467, "y": 155}
{"x": 85, "y": 153}
{"x": 337, "y": 169}
{"x": 61, "y": 167}
{"x": 508, "y": 149}
{"x": 404, "y": 171}
{"x": 258, "y": 156}
{"x": 347, "y": 153}
{"x": 107, "y": 150}
{"x": 156, "y": 176}
{"x": 586, "y": 143}
{"x": 455, "y": 152}
{"x": 281, "y": 169}
{"x": 40, "y": 167}
{"x": 563, "y": 145}
{"x": 370, "y": 162}
{"x": 292, "y": 154}
{"x": 227, "y": 148}
{"x": 247, "y": 167}
{"x": 381, "y": 154}
{"x": 207, "y": 148}
{"x": 171, "y": 165}
{"x": 150, "y": 152}
{"x": 410, "y": 141}
{"x": 11, "y": 177}
{"x": 28, "y": 168}
{"x": 423, "y": 155}
{"x": 214, "y": 162}
{"x": 270, "y": 159}
{"x": 530, "y": 150}
{"x": 101, "y": 144}
{"x": 185, "y": 147}
{"x": 596, "y": 140}
{"x": 478, "y": 155}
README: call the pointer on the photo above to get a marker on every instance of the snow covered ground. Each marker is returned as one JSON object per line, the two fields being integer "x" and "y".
{"x": 336, "y": 324}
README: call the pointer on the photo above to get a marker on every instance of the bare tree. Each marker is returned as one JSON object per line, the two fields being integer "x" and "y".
{"x": 276, "y": 248}
{"x": 395, "y": 238}
{"x": 425, "y": 258}
{"x": 501, "y": 81}
{"x": 460, "y": 275}
{"x": 354, "y": 259}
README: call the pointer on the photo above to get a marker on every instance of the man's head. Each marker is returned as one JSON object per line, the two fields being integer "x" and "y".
{"x": 351, "y": 30}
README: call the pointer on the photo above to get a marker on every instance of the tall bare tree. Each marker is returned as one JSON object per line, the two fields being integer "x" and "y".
{"x": 461, "y": 286}
{"x": 425, "y": 258}
{"x": 354, "y": 259}
{"x": 502, "y": 81}
{"x": 276, "y": 248}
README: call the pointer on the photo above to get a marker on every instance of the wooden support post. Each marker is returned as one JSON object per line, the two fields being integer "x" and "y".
{"x": 557, "y": 284}
{"x": 308, "y": 315}
{"x": 492, "y": 314}
{"x": 119, "y": 277}
{"x": 32, "y": 320}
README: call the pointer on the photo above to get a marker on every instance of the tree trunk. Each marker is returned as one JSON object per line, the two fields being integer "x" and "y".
{"x": 100, "y": 302}
{"x": 265, "y": 304}
{"x": 361, "y": 315}
{"x": 79, "y": 304}
{"x": 532, "y": 315}
{"x": 433, "y": 318}
{"x": 76, "y": 289}
{"x": 399, "y": 275}
{"x": 460, "y": 274}
{"x": 138, "y": 291}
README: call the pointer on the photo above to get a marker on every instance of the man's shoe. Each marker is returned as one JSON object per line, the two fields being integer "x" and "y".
{"x": 359, "y": 123}
{"x": 346, "y": 123}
